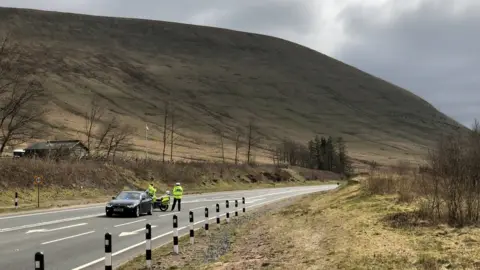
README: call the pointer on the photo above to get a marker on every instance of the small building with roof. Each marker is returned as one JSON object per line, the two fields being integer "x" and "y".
{"x": 57, "y": 149}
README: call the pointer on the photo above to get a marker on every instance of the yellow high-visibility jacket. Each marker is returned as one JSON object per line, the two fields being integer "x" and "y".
{"x": 177, "y": 192}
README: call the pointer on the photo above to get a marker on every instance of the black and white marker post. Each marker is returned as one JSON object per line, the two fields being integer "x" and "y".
{"x": 243, "y": 203}
{"x": 236, "y": 208}
{"x": 206, "y": 220}
{"x": 175, "y": 234}
{"x": 227, "y": 204}
{"x": 39, "y": 261}
{"x": 148, "y": 241}
{"x": 218, "y": 214}
{"x": 108, "y": 251}
{"x": 16, "y": 200}
{"x": 192, "y": 232}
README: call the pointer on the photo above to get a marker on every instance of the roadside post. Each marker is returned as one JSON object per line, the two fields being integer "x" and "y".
{"x": 206, "y": 220}
{"x": 39, "y": 261}
{"x": 175, "y": 234}
{"x": 16, "y": 200}
{"x": 236, "y": 208}
{"x": 37, "y": 181}
{"x": 192, "y": 232}
{"x": 108, "y": 251}
{"x": 148, "y": 239}
{"x": 243, "y": 203}
{"x": 218, "y": 213}
{"x": 227, "y": 204}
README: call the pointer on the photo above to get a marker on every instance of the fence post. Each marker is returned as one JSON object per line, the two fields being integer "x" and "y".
{"x": 192, "y": 232}
{"x": 175, "y": 234}
{"x": 227, "y": 204}
{"x": 16, "y": 200}
{"x": 206, "y": 220}
{"x": 243, "y": 203}
{"x": 236, "y": 208}
{"x": 39, "y": 261}
{"x": 108, "y": 251}
{"x": 148, "y": 239}
{"x": 218, "y": 213}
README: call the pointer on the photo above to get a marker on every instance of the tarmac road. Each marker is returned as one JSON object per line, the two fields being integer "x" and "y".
{"x": 74, "y": 238}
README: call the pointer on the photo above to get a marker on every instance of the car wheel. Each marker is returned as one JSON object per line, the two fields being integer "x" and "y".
{"x": 150, "y": 212}
{"x": 137, "y": 211}
{"x": 109, "y": 214}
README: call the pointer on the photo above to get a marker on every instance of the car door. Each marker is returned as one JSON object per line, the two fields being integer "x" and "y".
{"x": 142, "y": 203}
{"x": 145, "y": 202}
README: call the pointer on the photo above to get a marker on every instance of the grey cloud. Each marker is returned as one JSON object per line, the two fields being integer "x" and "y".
{"x": 267, "y": 16}
{"x": 430, "y": 51}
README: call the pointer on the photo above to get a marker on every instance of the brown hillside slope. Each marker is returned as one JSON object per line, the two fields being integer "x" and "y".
{"x": 216, "y": 77}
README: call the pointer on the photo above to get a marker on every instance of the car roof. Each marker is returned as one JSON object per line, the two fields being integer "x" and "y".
{"x": 132, "y": 191}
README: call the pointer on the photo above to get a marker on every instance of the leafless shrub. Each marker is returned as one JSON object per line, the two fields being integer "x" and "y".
{"x": 453, "y": 189}
{"x": 21, "y": 103}
{"x": 447, "y": 188}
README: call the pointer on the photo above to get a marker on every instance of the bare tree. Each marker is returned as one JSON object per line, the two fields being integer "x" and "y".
{"x": 275, "y": 154}
{"x": 121, "y": 141}
{"x": 165, "y": 122}
{"x": 238, "y": 143}
{"x": 218, "y": 130}
{"x": 253, "y": 138}
{"x": 92, "y": 118}
{"x": 175, "y": 126}
{"x": 105, "y": 141}
{"x": 20, "y": 99}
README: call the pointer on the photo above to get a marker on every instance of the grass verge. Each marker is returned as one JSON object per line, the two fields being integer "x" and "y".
{"x": 348, "y": 229}
{"x": 207, "y": 248}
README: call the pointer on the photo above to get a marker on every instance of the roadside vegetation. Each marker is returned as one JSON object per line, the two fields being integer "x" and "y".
{"x": 400, "y": 217}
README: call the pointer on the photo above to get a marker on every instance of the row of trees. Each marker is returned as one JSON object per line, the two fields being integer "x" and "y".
{"x": 319, "y": 153}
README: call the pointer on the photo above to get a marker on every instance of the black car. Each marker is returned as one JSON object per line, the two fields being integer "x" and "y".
{"x": 130, "y": 203}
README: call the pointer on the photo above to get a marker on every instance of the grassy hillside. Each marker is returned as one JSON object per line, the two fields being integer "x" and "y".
{"x": 217, "y": 78}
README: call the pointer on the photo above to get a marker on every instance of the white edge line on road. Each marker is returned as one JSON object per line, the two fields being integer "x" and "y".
{"x": 51, "y": 212}
{"x": 48, "y": 223}
{"x": 128, "y": 223}
{"x": 68, "y": 237}
{"x": 184, "y": 227}
{"x": 56, "y": 229}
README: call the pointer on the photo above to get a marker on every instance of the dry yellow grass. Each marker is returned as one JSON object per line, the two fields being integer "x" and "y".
{"x": 347, "y": 230}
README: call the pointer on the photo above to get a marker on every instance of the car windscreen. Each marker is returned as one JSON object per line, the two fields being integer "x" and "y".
{"x": 128, "y": 196}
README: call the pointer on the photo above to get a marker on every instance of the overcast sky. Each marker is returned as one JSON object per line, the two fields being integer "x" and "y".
{"x": 431, "y": 47}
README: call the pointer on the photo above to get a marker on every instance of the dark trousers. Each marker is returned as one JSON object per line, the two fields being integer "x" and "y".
{"x": 175, "y": 202}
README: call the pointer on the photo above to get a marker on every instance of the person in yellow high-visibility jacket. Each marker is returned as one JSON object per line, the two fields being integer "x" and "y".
{"x": 152, "y": 192}
{"x": 177, "y": 196}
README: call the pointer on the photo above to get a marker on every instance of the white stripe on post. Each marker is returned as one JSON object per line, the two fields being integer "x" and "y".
{"x": 108, "y": 251}
{"x": 192, "y": 232}
{"x": 218, "y": 213}
{"x": 206, "y": 220}
{"x": 148, "y": 239}
{"x": 39, "y": 261}
{"x": 227, "y": 204}
{"x": 175, "y": 234}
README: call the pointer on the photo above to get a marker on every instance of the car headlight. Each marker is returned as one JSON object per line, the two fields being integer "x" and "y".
{"x": 109, "y": 205}
{"x": 131, "y": 205}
